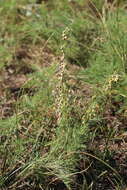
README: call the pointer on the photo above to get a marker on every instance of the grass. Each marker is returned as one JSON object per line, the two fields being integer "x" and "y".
{"x": 63, "y": 95}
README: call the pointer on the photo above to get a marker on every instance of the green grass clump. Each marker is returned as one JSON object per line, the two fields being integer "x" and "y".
{"x": 62, "y": 125}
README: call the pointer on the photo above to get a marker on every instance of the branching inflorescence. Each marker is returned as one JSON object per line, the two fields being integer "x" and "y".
{"x": 60, "y": 99}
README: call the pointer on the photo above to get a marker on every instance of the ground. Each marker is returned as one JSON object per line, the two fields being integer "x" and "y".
{"x": 86, "y": 149}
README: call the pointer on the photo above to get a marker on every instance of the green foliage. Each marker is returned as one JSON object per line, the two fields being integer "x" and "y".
{"x": 33, "y": 144}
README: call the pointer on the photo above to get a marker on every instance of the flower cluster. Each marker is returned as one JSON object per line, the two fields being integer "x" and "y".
{"x": 60, "y": 99}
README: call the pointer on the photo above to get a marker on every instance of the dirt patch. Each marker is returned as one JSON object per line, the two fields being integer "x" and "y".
{"x": 35, "y": 55}
{"x": 26, "y": 60}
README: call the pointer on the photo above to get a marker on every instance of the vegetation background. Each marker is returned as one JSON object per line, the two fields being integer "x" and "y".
{"x": 63, "y": 95}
